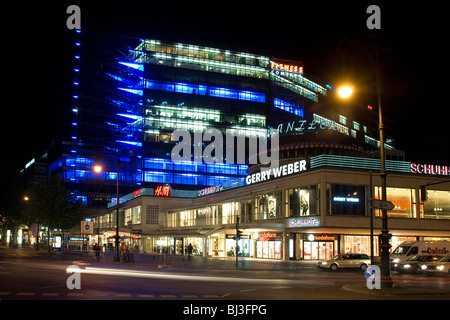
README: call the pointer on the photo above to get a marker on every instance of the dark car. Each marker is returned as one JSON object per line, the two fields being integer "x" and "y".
{"x": 417, "y": 263}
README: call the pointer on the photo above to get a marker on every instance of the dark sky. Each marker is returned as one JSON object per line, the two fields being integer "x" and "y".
{"x": 37, "y": 59}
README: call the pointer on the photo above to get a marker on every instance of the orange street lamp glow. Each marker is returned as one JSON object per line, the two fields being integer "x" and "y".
{"x": 345, "y": 91}
{"x": 98, "y": 168}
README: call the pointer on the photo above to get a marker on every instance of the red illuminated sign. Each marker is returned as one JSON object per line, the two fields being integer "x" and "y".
{"x": 430, "y": 169}
{"x": 286, "y": 67}
{"x": 267, "y": 236}
{"x": 162, "y": 191}
{"x": 137, "y": 192}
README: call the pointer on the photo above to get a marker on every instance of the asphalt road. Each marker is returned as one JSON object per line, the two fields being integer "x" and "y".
{"x": 26, "y": 275}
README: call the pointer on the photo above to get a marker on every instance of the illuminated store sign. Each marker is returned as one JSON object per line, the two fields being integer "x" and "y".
{"x": 210, "y": 190}
{"x": 162, "y": 191}
{"x": 137, "y": 192}
{"x": 286, "y": 67}
{"x": 279, "y": 172}
{"x": 266, "y": 236}
{"x": 346, "y": 199}
{"x": 430, "y": 169}
{"x": 302, "y": 222}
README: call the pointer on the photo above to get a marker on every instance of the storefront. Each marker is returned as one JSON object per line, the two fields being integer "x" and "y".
{"x": 319, "y": 246}
{"x": 268, "y": 245}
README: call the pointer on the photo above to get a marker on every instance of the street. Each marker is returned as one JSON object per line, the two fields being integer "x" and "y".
{"x": 27, "y": 275}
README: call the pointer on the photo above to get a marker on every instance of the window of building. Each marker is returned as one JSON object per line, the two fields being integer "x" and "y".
{"x": 268, "y": 206}
{"x": 152, "y": 214}
{"x": 302, "y": 201}
{"x": 437, "y": 205}
{"x": 346, "y": 199}
{"x": 403, "y": 200}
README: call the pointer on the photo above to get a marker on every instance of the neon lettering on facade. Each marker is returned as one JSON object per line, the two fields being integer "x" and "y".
{"x": 302, "y": 222}
{"x": 278, "y": 172}
{"x": 267, "y": 236}
{"x": 162, "y": 191}
{"x": 430, "y": 169}
{"x": 286, "y": 67}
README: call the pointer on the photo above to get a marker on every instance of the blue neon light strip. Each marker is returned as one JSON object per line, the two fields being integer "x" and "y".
{"x": 198, "y": 89}
{"x": 136, "y": 66}
{"x": 134, "y": 91}
{"x": 289, "y": 107}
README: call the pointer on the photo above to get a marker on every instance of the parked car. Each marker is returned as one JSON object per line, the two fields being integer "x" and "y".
{"x": 439, "y": 267}
{"x": 417, "y": 263}
{"x": 347, "y": 260}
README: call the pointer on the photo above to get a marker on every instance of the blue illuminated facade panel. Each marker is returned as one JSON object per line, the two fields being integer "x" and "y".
{"x": 131, "y": 109}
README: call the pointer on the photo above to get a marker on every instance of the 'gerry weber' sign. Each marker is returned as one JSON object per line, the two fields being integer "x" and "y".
{"x": 278, "y": 172}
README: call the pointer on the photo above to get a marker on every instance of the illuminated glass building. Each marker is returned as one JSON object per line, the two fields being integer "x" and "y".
{"x": 131, "y": 94}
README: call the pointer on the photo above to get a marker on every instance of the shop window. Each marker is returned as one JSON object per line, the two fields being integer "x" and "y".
{"x": 403, "y": 200}
{"x": 437, "y": 205}
{"x": 268, "y": 206}
{"x": 346, "y": 199}
{"x": 302, "y": 201}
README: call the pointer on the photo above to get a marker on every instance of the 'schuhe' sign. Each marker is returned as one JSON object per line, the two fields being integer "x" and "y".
{"x": 432, "y": 169}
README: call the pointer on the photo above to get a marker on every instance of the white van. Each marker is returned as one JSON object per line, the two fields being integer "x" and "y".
{"x": 408, "y": 249}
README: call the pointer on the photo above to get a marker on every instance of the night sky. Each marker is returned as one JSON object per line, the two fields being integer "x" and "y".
{"x": 37, "y": 61}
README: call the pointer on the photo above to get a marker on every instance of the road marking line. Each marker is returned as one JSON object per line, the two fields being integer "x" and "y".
{"x": 210, "y": 296}
{"x": 4, "y": 293}
{"x": 248, "y": 290}
{"x": 146, "y": 296}
{"x": 123, "y": 295}
{"x": 50, "y": 294}
{"x": 25, "y": 294}
{"x": 281, "y": 287}
{"x": 168, "y": 296}
{"x": 75, "y": 294}
{"x": 189, "y": 296}
{"x": 98, "y": 294}
{"x": 226, "y": 295}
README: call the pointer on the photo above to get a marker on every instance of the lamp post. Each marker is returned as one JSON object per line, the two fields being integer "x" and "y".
{"x": 98, "y": 168}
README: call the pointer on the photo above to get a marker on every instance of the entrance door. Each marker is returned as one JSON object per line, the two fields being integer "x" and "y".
{"x": 325, "y": 250}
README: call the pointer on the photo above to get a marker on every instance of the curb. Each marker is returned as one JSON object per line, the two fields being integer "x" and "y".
{"x": 396, "y": 291}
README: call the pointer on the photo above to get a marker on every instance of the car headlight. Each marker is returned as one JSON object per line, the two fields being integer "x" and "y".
{"x": 324, "y": 263}
{"x": 423, "y": 267}
{"x": 440, "y": 268}
{"x": 406, "y": 266}
{"x": 396, "y": 260}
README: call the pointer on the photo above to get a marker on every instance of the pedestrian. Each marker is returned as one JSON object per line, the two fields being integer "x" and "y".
{"x": 124, "y": 251}
{"x": 97, "y": 251}
{"x": 189, "y": 250}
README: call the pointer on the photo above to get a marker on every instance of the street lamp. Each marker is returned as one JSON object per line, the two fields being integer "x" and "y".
{"x": 98, "y": 168}
{"x": 345, "y": 92}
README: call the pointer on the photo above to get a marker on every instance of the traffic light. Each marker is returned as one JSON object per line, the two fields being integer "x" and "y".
{"x": 238, "y": 234}
{"x": 423, "y": 193}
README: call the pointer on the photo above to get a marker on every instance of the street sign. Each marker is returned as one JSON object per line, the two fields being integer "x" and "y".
{"x": 383, "y": 205}
{"x": 87, "y": 227}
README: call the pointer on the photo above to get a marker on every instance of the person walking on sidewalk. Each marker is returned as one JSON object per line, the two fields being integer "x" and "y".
{"x": 189, "y": 250}
{"x": 97, "y": 251}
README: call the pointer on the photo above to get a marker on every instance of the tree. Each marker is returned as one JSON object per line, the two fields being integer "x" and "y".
{"x": 52, "y": 205}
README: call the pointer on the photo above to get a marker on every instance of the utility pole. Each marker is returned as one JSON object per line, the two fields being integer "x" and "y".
{"x": 237, "y": 240}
